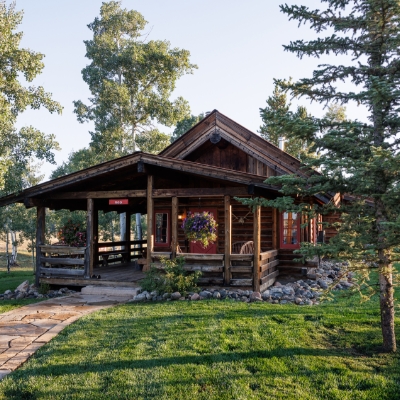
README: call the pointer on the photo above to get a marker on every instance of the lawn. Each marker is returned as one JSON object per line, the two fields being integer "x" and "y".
{"x": 17, "y": 274}
{"x": 215, "y": 350}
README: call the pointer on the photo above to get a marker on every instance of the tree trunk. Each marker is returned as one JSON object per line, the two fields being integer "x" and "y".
{"x": 112, "y": 233}
{"x": 14, "y": 248}
{"x": 387, "y": 308}
{"x": 7, "y": 251}
{"x": 122, "y": 228}
{"x": 139, "y": 234}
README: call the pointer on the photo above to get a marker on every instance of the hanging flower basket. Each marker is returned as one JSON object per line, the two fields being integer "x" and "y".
{"x": 200, "y": 227}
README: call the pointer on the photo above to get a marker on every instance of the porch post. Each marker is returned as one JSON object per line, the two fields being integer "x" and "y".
{"x": 150, "y": 212}
{"x": 128, "y": 235}
{"x": 95, "y": 254}
{"x": 174, "y": 227}
{"x": 257, "y": 248}
{"x": 89, "y": 256}
{"x": 40, "y": 237}
{"x": 228, "y": 239}
{"x": 275, "y": 239}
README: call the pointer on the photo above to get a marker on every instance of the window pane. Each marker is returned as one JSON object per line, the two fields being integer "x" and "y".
{"x": 161, "y": 227}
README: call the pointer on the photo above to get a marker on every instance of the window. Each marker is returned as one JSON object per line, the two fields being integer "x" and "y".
{"x": 290, "y": 230}
{"x": 162, "y": 228}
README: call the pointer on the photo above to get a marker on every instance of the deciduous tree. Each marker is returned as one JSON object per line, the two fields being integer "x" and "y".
{"x": 131, "y": 81}
{"x": 18, "y": 147}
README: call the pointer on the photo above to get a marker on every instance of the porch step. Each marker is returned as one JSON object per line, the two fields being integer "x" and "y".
{"x": 111, "y": 291}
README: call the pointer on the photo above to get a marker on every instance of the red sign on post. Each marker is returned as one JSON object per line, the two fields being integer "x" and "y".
{"x": 118, "y": 202}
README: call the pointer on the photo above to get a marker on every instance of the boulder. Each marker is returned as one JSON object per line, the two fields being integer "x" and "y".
{"x": 288, "y": 290}
{"x": 266, "y": 295}
{"x": 23, "y": 287}
{"x": 205, "y": 294}
{"x": 323, "y": 284}
{"x": 255, "y": 296}
{"x": 195, "y": 297}
{"x": 216, "y": 295}
{"x": 176, "y": 296}
{"x": 140, "y": 297}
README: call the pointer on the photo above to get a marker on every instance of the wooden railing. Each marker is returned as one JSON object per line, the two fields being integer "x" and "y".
{"x": 120, "y": 252}
{"x": 62, "y": 260}
{"x": 241, "y": 267}
{"x": 268, "y": 268}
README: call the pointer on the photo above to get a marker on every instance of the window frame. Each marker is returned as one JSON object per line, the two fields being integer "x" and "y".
{"x": 281, "y": 230}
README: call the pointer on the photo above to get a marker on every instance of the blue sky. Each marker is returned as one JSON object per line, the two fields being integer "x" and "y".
{"x": 237, "y": 46}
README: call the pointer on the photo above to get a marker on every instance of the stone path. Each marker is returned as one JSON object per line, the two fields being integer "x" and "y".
{"x": 26, "y": 329}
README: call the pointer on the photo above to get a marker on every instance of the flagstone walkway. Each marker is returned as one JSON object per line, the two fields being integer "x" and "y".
{"x": 24, "y": 330}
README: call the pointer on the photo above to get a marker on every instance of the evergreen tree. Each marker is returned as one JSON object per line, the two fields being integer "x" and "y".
{"x": 274, "y": 128}
{"x": 359, "y": 159}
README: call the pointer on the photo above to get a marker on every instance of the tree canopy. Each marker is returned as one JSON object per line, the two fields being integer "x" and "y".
{"x": 184, "y": 125}
{"x": 18, "y": 147}
{"x": 358, "y": 159}
{"x": 279, "y": 122}
{"x": 131, "y": 81}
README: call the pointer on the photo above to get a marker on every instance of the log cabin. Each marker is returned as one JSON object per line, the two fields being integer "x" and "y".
{"x": 206, "y": 169}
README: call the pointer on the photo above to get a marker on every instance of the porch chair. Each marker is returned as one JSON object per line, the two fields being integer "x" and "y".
{"x": 243, "y": 247}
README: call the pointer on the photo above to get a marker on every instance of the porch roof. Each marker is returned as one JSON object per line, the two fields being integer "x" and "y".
{"x": 138, "y": 164}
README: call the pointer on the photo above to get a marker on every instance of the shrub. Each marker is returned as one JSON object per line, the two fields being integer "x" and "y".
{"x": 171, "y": 278}
{"x": 73, "y": 234}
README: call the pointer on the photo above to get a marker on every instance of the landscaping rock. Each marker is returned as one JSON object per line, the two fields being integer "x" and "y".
{"x": 255, "y": 296}
{"x": 322, "y": 283}
{"x": 195, "y": 297}
{"x": 206, "y": 294}
{"x": 23, "y": 287}
{"x": 216, "y": 295}
{"x": 266, "y": 295}
{"x": 140, "y": 297}
{"x": 176, "y": 296}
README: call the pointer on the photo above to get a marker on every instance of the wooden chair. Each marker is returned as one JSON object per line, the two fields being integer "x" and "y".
{"x": 243, "y": 247}
{"x": 247, "y": 248}
{"x": 236, "y": 247}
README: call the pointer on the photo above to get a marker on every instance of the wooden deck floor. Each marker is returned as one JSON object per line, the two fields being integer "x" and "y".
{"x": 112, "y": 275}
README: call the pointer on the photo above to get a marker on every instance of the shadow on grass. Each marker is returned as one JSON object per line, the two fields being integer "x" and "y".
{"x": 208, "y": 359}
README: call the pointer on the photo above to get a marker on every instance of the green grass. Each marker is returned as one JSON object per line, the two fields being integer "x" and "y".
{"x": 215, "y": 350}
{"x": 17, "y": 275}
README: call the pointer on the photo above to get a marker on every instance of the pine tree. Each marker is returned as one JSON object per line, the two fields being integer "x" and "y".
{"x": 358, "y": 159}
{"x": 274, "y": 128}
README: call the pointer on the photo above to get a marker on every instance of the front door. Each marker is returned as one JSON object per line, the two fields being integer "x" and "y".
{"x": 196, "y": 247}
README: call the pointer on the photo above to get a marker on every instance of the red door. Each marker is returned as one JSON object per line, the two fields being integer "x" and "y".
{"x": 196, "y": 247}
{"x": 290, "y": 230}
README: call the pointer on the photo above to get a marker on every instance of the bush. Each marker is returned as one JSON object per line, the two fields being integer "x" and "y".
{"x": 73, "y": 234}
{"x": 171, "y": 278}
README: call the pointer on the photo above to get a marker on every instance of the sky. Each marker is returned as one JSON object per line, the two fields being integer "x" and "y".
{"x": 236, "y": 44}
